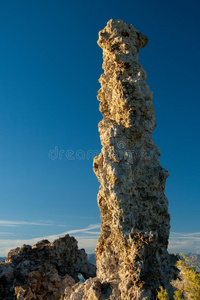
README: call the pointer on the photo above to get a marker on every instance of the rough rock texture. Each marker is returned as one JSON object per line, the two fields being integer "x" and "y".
{"x": 134, "y": 209}
{"x": 44, "y": 270}
{"x": 132, "y": 258}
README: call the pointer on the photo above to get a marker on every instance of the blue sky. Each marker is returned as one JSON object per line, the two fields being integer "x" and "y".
{"x": 49, "y": 69}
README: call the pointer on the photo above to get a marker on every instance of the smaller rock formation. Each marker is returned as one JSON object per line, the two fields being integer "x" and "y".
{"x": 44, "y": 270}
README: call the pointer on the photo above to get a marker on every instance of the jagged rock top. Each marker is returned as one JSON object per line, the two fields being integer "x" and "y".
{"x": 118, "y": 31}
{"x": 43, "y": 270}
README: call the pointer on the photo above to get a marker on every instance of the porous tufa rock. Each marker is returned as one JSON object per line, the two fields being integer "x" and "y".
{"x": 44, "y": 270}
{"x": 131, "y": 255}
{"x": 134, "y": 209}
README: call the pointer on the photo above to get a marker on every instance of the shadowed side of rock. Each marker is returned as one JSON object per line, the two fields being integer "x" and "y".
{"x": 44, "y": 270}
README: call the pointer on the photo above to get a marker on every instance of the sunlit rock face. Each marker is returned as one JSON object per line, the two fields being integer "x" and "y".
{"x": 131, "y": 255}
{"x": 132, "y": 248}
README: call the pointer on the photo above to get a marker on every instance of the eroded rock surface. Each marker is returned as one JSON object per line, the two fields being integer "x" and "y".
{"x": 44, "y": 270}
{"x": 134, "y": 209}
{"x": 132, "y": 258}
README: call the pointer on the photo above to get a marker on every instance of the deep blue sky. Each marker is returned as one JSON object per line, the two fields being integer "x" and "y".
{"x": 49, "y": 69}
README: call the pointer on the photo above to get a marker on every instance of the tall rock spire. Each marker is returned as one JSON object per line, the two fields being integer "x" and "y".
{"x": 131, "y": 255}
{"x": 132, "y": 247}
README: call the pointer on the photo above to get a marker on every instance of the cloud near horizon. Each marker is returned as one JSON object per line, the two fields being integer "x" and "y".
{"x": 87, "y": 238}
{"x": 184, "y": 242}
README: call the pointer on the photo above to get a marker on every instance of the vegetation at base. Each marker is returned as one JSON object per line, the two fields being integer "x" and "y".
{"x": 188, "y": 284}
{"x": 162, "y": 294}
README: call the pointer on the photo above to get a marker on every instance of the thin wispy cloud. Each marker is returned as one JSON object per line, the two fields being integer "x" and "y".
{"x": 93, "y": 232}
{"x": 85, "y": 230}
{"x": 184, "y": 242}
{"x": 185, "y": 235}
{"x": 5, "y": 233}
{"x": 19, "y": 223}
